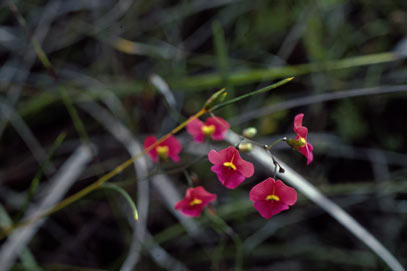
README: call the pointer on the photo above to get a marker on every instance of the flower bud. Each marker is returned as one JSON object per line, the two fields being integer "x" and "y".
{"x": 245, "y": 147}
{"x": 215, "y": 99}
{"x": 295, "y": 143}
{"x": 250, "y": 132}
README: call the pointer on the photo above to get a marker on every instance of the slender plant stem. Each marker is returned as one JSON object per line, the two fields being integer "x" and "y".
{"x": 262, "y": 90}
{"x": 220, "y": 225}
{"x": 36, "y": 180}
{"x": 275, "y": 142}
{"x": 188, "y": 177}
{"x": 125, "y": 195}
{"x": 80, "y": 194}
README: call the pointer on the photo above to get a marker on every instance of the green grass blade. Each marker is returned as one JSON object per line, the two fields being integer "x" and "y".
{"x": 125, "y": 195}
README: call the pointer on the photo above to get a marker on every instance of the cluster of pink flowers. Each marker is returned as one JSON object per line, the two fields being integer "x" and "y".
{"x": 270, "y": 196}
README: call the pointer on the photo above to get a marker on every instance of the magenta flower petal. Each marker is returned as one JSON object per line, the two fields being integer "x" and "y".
{"x": 215, "y": 127}
{"x": 217, "y": 157}
{"x": 271, "y": 197}
{"x": 302, "y": 132}
{"x": 221, "y": 126}
{"x": 228, "y": 177}
{"x": 171, "y": 144}
{"x": 310, "y": 147}
{"x": 287, "y": 194}
{"x": 307, "y": 152}
{"x": 301, "y": 143}
{"x": 268, "y": 209}
{"x": 194, "y": 128}
{"x": 204, "y": 195}
{"x": 194, "y": 201}
{"x": 150, "y": 140}
{"x": 245, "y": 168}
{"x": 230, "y": 168}
{"x": 298, "y": 121}
{"x": 174, "y": 148}
{"x": 261, "y": 190}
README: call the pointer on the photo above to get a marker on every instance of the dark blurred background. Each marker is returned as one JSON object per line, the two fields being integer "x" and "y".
{"x": 149, "y": 64}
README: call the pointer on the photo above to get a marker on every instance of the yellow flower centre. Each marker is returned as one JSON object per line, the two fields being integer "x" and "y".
{"x": 301, "y": 142}
{"x": 208, "y": 129}
{"x": 162, "y": 151}
{"x": 195, "y": 202}
{"x": 230, "y": 165}
{"x": 272, "y": 197}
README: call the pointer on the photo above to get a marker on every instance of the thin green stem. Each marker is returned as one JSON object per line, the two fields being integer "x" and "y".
{"x": 221, "y": 226}
{"x": 36, "y": 180}
{"x": 210, "y": 105}
{"x": 256, "y": 92}
{"x": 275, "y": 142}
{"x": 188, "y": 177}
{"x": 73, "y": 113}
{"x": 125, "y": 195}
{"x": 80, "y": 194}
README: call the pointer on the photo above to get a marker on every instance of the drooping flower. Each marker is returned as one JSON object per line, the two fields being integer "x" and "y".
{"x": 214, "y": 127}
{"x": 300, "y": 142}
{"x": 168, "y": 148}
{"x": 271, "y": 197}
{"x": 194, "y": 201}
{"x": 231, "y": 169}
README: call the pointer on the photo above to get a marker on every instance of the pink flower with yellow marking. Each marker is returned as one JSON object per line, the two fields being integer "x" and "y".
{"x": 168, "y": 148}
{"x": 194, "y": 201}
{"x": 300, "y": 142}
{"x": 230, "y": 168}
{"x": 271, "y": 197}
{"x": 214, "y": 127}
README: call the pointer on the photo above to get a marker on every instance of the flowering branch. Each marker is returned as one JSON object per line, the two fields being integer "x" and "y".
{"x": 213, "y": 103}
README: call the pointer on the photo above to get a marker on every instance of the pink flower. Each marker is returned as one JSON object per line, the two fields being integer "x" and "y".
{"x": 194, "y": 201}
{"x": 214, "y": 127}
{"x": 271, "y": 197}
{"x": 300, "y": 142}
{"x": 168, "y": 148}
{"x": 230, "y": 167}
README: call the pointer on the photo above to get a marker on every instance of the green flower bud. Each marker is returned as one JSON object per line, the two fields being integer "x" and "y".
{"x": 250, "y": 132}
{"x": 215, "y": 99}
{"x": 296, "y": 143}
{"x": 245, "y": 147}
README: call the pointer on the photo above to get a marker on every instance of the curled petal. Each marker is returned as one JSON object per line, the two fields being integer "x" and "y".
{"x": 307, "y": 152}
{"x": 310, "y": 147}
{"x": 302, "y": 132}
{"x": 298, "y": 121}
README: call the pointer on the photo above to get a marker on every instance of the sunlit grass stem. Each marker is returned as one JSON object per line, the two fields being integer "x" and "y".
{"x": 80, "y": 194}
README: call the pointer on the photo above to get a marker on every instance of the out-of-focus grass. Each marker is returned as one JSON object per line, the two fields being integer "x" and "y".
{"x": 197, "y": 47}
